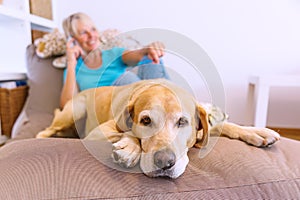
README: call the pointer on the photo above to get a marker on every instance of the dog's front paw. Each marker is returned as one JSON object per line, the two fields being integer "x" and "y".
{"x": 270, "y": 136}
{"x": 127, "y": 151}
{"x": 262, "y": 137}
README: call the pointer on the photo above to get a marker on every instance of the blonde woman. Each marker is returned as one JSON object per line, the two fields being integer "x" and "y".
{"x": 88, "y": 66}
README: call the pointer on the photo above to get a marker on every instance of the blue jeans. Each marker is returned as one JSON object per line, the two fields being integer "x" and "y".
{"x": 145, "y": 71}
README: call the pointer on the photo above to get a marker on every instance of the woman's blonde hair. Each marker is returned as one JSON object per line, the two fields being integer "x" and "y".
{"x": 69, "y": 24}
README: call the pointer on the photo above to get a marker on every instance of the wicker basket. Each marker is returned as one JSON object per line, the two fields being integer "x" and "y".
{"x": 11, "y": 104}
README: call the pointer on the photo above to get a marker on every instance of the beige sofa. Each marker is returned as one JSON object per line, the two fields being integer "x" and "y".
{"x": 59, "y": 168}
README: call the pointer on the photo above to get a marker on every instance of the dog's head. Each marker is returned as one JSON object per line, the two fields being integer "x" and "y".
{"x": 168, "y": 121}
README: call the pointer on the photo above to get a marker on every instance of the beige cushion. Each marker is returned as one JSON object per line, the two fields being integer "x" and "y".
{"x": 45, "y": 84}
{"x": 63, "y": 169}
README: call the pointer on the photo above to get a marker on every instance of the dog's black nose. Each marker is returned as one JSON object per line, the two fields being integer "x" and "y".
{"x": 164, "y": 159}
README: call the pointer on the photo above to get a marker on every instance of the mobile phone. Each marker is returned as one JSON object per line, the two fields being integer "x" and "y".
{"x": 74, "y": 43}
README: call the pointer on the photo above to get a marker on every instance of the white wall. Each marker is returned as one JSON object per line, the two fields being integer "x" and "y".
{"x": 242, "y": 38}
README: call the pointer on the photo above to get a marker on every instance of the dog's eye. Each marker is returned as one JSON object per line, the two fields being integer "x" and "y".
{"x": 145, "y": 120}
{"x": 182, "y": 122}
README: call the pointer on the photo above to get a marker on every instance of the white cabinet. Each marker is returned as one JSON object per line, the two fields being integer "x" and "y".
{"x": 16, "y": 24}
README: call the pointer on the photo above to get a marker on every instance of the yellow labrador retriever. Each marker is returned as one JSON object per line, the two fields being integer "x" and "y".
{"x": 153, "y": 122}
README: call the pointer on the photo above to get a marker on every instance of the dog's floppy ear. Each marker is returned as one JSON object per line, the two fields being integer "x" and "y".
{"x": 124, "y": 121}
{"x": 122, "y": 105}
{"x": 202, "y": 126}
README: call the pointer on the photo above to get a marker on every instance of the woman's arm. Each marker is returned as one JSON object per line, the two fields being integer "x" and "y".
{"x": 70, "y": 87}
{"x": 154, "y": 51}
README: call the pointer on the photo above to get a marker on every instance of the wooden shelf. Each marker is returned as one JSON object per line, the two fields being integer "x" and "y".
{"x": 39, "y": 23}
{"x": 12, "y": 76}
{"x": 6, "y": 12}
{"x": 16, "y": 25}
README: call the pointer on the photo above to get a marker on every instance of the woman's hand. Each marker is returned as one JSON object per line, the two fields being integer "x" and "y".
{"x": 73, "y": 52}
{"x": 154, "y": 51}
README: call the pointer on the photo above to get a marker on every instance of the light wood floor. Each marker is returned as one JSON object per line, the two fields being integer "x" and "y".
{"x": 288, "y": 132}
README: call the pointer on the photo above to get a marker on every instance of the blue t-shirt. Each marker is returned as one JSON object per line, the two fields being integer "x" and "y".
{"x": 112, "y": 67}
